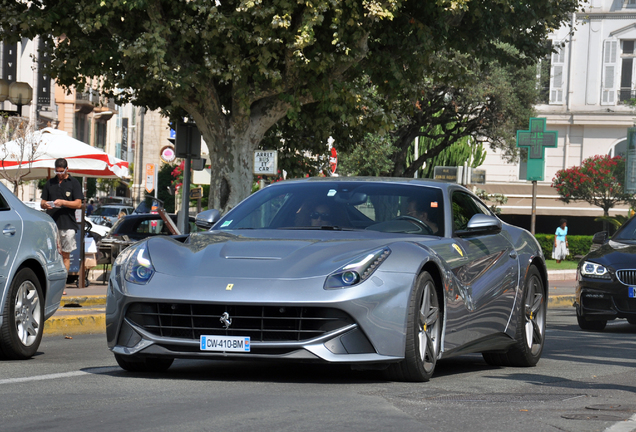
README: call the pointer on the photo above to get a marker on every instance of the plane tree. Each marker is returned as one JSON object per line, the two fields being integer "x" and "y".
{"x": 236, "y": 67}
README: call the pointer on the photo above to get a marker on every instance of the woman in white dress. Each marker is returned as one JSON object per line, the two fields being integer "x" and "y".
{"x": 560, "y": 250}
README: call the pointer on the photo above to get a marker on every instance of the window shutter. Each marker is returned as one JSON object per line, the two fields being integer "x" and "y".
{"x": 608, "y": 88}
{"x": 556, "y": 76}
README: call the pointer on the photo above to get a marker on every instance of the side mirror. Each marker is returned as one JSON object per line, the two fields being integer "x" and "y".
{"x": 481, "y": 224}
{"x": 599, "y": 238}
{"x": 207, "y": 219}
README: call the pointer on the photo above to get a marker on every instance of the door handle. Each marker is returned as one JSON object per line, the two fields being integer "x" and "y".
{"x": 8, "y": 230}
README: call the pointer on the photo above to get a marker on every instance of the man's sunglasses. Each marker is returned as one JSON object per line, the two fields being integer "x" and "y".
{"x": 316, "y": 215}
{"x": 61, "y": 172}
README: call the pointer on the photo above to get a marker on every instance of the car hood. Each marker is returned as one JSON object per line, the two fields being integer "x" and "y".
{"x": 616, "y": 255}
{"x": 261, "y": 253}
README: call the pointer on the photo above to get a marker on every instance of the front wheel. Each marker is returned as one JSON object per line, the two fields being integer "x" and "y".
{"x": 530, "y": 334}
{"x": 143, "y": 364}
{"x": 23, "y": 317}
{"x": 423, "y": 334}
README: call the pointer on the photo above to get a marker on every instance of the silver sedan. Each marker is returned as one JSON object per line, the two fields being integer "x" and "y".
{"x": 32, "y": 276}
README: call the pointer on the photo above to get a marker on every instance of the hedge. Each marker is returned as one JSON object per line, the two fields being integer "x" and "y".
{"x": 579, "y": 245}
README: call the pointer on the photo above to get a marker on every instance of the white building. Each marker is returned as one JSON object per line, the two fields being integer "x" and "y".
{"x": 592, "y": 76}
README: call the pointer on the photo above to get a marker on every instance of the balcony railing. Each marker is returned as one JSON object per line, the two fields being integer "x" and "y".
{"x": 626, "y": 95}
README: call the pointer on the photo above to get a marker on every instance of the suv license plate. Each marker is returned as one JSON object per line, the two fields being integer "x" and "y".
{"x": 225, "y": 343}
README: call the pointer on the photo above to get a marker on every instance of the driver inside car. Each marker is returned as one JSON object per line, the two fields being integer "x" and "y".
{"x": 420, "y": 209}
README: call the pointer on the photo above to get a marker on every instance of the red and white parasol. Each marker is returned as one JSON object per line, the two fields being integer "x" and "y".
{"x": 83, "y": 159}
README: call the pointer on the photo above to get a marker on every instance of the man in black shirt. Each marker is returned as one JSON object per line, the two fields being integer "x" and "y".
{"x": 61, "y": 196}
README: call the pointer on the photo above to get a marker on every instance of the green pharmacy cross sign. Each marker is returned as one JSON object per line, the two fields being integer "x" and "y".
{"x": 536, "y": 140}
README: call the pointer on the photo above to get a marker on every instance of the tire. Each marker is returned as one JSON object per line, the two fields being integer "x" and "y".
{"x": 143, "y": 364}
{"x": 423, "y": 334}
{"x": 22, "y": 317}
{"x": 530, "y": 332}
{"x": 589, "y": 325}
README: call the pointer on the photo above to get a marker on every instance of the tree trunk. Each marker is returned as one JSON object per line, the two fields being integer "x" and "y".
{"x": 231, "y": 173}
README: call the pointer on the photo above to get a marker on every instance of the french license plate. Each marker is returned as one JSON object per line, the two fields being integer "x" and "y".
{"x": 225, "y": 343}
{"x": 632, "y": 292}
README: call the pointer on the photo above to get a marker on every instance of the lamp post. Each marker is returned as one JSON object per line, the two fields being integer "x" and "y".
{"x": 18, "y": 93}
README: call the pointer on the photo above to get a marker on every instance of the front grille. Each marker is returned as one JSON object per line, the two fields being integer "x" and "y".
{"x": 260, "y": 323}
{"x": 627, "y": 277}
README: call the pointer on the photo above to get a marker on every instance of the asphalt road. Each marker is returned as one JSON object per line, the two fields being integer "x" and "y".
{"x": 584, "y": 382}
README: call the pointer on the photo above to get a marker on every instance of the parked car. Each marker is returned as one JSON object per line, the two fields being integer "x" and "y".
{"x": 32, "y": 276}
{"x": 606, "y": 287}
{"x": 131, "y": 229}
{"x": 33, "y": 204}
{"x": 377, "y": 273}
{"x": 108, "y": 214}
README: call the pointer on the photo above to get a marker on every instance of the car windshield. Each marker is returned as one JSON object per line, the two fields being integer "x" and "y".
{"x": 107, "y": 211}
{"x": 627, "y": 232}
{"x": 388, "y": 207}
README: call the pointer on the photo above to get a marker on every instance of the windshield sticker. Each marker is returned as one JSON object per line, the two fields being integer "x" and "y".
{"x": 332, "y": 192}
{"x": 434, "y": 204}
{"x": 226, "y": 223}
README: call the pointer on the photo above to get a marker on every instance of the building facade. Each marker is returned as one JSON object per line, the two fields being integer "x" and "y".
{"x": 586, "y": 88}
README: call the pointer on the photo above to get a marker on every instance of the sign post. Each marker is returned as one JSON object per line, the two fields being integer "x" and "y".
{"x": 536, "y": 140}
{"x": 630, "y": 162}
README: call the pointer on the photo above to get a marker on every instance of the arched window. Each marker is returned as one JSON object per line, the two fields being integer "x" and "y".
{"x": 620, "y": 149}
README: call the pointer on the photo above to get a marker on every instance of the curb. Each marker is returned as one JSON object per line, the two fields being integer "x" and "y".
{"x": 560, "y": 301}
{"x": 87, "y": 300}
{"x": 75, "y": 324}
{"x": 569, "y": 275}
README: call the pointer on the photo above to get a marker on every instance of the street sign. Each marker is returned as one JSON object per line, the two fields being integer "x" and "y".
{"x": 445, "y": 173}
{"x": 196, "y": 193}
{"x": 333, "y": 160}
{"x": 477, "y": 176}
{"x": 167, "y": 154}
{"x": 150, "y": 177}
{"x": 536, "y": 140}
{"x": 266, "y": 162}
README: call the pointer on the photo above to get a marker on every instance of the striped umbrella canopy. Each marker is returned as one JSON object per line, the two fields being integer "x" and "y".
{"x": 37, "y": 152}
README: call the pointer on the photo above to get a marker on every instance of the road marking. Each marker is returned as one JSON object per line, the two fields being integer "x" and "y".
{"x": 87, "y": 371}
{"x": 628, "y": 425}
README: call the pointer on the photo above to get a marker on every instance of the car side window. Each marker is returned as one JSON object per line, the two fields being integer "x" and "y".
{"x": 4, "y": 205}
{"x": 465, "y": 207}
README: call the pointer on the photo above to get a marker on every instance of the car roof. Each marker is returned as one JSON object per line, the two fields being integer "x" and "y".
{"x": 394, "y": 180}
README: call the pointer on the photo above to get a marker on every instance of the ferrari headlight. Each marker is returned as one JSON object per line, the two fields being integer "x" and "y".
{"x": 593, "y": 270}
{"x": 358, "y": 270}
{"x": 137, "y": 264}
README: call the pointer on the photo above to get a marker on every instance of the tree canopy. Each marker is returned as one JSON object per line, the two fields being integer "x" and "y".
{"x": 237, "y": 67}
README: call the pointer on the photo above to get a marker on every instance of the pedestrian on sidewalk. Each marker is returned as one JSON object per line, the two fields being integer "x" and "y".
{"x": 90, "y": 208}
{"x": 61, "y": 196}
{"x": 561, "y": 251}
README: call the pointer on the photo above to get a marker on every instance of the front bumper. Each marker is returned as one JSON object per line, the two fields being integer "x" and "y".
{"x": 293, "y": 319}
{"x": 604, "y": 299}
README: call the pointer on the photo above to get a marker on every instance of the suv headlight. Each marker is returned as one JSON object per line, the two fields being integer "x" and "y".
{"x": 358, "y": 270}
{"x": 593, "y": 270}
{"x": 136, "y": 264}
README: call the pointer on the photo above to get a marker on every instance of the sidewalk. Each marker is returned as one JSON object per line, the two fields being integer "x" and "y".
{"x": 82, "y": 309}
